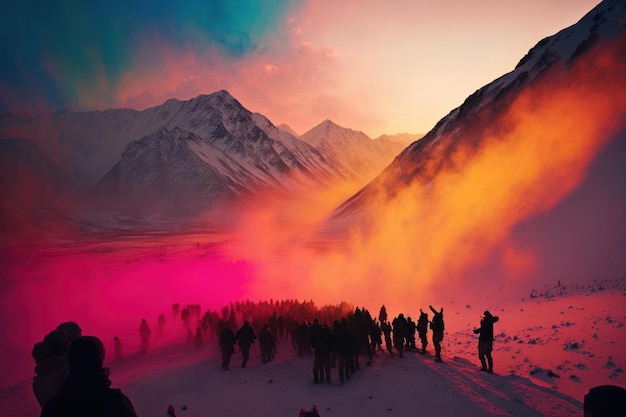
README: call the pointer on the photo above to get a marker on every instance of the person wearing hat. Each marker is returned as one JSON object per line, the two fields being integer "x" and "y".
{"x": 437, "y": 325}
{"x": 51, "y": 366}
{"x": 485, "y": 341}
{"x": 87, "y": 390}
{"x": 72, "y": 329}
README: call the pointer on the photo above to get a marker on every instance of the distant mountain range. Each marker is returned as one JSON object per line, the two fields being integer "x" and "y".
{"x": 210, "y": 149}
{"x": 195, "y": 153}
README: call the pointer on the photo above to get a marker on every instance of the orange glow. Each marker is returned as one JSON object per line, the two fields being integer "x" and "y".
{"x": 443, "y": 232}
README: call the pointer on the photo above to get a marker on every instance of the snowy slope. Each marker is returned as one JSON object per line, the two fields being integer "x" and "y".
{"x": 288, "y": 129}
{"x": 424, "y": 159}
{"x": 177, "y": 167}
{"x": 545, "y": 362}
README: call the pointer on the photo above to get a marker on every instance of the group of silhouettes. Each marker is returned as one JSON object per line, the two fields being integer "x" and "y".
{"x": 353, "y": 334}
{"x": 71, "y": 380}
{"x": 404, "y": 330}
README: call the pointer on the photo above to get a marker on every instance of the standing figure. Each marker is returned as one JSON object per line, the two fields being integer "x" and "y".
{"x": 382, "y": 315}
{"x": 410, "y": 334}
{"x": 341, "y": 347}
{"x": 118, "y": 348}
{"x": 399, "y": 326}
{"x": 267, "y": 344}
{"x": 51, "y": 366}
{"x": 321, "y": 341}
{"x": 437, "y": 326}
{"x": 245, "y": 338}
{"x": 144, "y": 333}
{"x": 485, "y": 341}
{"x": 422, "y": 330}
{"x": 386, "y": 329}
{"x": 227, "y": 344}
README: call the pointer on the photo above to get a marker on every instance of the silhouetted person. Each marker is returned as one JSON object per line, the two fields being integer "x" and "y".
{"x": 321, "y": 341}
{"x": 422, "y": 330}
{"x": 185, "y": 316}
{"x": 118, "y": 348}
{"x": 437, "y": 326}
{"x": 72, "y": 329}
{"x": 227, "y": 343}
{"x": 485, "y": 341}
{"x": 342, "y": 346}
{"x": 386, "y": 329}
{"x": 376, "y": 337}
{"x": 51, "y": 365}
{"x": 144, "y": 334}
{"x": 245, "y": 338}
{"x": 267, "y": 344}
{"x": 87, "y": 390}
{"x": 399, "y": 326}
{"x": 382, "y": 315}
{"x": 409, "y": 334}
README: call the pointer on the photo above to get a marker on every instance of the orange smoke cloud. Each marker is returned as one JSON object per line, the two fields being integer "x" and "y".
{"x": 443, "y": 232}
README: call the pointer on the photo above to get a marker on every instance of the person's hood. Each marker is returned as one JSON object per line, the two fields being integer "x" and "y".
{"x": 48, "y": 364}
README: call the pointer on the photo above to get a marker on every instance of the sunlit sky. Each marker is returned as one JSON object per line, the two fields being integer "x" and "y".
{"x": 375, "y": 66}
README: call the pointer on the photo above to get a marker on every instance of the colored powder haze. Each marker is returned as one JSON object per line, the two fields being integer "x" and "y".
{"x": 299, "y": 63}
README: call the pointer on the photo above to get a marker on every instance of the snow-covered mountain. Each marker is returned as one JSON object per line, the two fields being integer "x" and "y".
{"x": 481, "y": 114}
{"x": 200, "y": 150}
{"x": 358, "y": 154}
{"x": 175, "y": 166}
{"x": 91, "y": 143}
{"x": 288, "y": 129}
{"x": 403, "y": 138}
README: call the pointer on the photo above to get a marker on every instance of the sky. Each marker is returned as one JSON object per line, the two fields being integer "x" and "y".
{"x": 375, "y": 66}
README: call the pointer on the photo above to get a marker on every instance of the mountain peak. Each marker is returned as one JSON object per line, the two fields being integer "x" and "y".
{"x": 221, "y": 94}
{"x": 286, "y": 128}
{"x": 329, "y": 124}
{"x": 331, "y": 131}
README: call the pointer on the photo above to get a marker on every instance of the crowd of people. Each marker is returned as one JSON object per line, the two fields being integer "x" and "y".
{"x": 69, "y": 367}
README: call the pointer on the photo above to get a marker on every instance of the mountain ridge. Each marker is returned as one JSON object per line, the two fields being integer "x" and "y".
{"x": 99, "y": 148}
{"x": 426, "y": 157}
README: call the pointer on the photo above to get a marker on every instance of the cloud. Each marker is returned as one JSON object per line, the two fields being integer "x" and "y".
{"x": 75, "y": 54}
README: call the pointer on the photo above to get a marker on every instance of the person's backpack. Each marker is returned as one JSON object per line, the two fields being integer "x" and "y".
{"x": 437, "y": 323}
